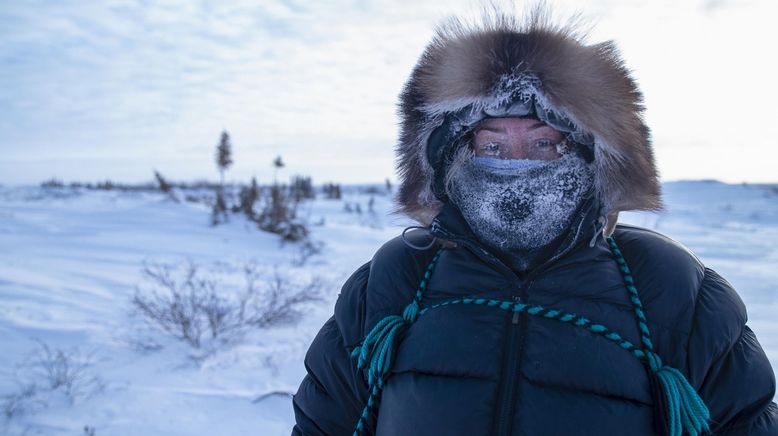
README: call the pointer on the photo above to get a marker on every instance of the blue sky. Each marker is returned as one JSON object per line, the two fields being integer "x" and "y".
{"x": 114, "y": 89}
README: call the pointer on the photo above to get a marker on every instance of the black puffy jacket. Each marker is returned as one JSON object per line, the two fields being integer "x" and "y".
{"x": 473, "y": 370}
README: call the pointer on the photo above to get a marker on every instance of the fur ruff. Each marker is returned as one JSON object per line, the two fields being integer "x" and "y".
{"x": 469, "y": 65}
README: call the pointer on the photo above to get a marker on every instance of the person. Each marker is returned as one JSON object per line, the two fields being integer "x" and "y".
{"x": 521, "y": 306}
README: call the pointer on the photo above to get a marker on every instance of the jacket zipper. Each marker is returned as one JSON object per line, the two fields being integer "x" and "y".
{"x": 514, "y": 350}
{"x": 517, "y": 325}
{"x": 512, "y": 353}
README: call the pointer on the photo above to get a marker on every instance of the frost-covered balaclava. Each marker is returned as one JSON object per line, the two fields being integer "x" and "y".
{"x": 520, "y": 204}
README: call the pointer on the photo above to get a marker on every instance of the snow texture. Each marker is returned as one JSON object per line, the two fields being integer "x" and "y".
{"x": 521, "y": 208}
{"x": 70, "y": 262}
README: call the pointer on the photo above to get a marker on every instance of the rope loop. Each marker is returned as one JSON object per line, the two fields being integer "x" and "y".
{"x": 418, "y": 247}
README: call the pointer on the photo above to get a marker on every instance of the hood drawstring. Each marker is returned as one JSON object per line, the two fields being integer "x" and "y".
{"x": 598, "y": 226}
{"x": 419, "y": 247}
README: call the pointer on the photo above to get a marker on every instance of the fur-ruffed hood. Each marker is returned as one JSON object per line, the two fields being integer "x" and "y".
{"x": 471, "y": 69}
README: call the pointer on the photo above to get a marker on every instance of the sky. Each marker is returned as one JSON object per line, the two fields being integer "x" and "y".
{"x": 116, "y": 89}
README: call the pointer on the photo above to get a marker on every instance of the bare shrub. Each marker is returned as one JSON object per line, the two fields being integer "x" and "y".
{"x": 355, "y": 207}
{"x": 301, "y": 188}
{"x": 162, "y": 183}
{"x": 165, "y": 186}
{"x": 307, "y": 249}
{"x": 198, "y": 309}
{"x": 105, "y": 186}
{"x": 373, "y": 190}
{"x": 280, "y": 301}
{"x": 25, "y": 400}
{"x": 53, "y": 183}
{"x": 279, "y": 214}
{"x": 67, "y": 371}
{"x": 248, "y": 196}
{"x": 219, "y": 209}
{"x": 332, "y": 191}
{"x": 183, "y": 304}
{"x": 48, "y": 372}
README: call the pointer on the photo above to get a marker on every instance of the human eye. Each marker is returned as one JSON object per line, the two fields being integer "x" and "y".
{"x": 543, "y": 143}
{"x": 490, "y": 148}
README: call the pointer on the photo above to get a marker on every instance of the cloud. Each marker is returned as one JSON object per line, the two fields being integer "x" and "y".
{"x": 144, "y": 80}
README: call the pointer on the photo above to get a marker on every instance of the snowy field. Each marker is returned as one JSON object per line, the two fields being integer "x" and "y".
{"x": 71, "y": 263}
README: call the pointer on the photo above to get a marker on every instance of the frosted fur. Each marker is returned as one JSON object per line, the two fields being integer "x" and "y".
{"x": 517, "y": 94}
{"x": 521, "y": 208}
{"x": 483, "y": 66}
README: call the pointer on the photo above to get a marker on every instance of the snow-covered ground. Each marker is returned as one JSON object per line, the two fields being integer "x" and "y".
{"x": 70, "y": 265}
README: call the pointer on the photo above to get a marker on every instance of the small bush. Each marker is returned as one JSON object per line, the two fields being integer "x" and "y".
{"x": 332, "y": 191}
{"x": 53, "y": 183}
{"x": 105, "y": 186}
{"x": 279, "y": 215}
{"x": 248, "y": 197}
{"x": 352, "y": 208}
{"x": 66, "y": 371}
{"x": 219, "y": 209}
{"x": 307, "y": 249}
{"x": 196, "y": 308}
{"x": 372, "y": 190}
{"x": 302, "y": 188}
{"x": 279, "y": 303}
{"x": 25, "y": 400}
{"x": 48, "y": 372}
{"x": 163, "y": 184}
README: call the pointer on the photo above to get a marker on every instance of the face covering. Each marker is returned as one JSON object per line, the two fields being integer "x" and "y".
{"x": 522, "y": 204}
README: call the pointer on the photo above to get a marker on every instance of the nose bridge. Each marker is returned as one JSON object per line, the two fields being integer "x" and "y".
{"x": 520, "y": 151}
{"x": 517, "y": 137}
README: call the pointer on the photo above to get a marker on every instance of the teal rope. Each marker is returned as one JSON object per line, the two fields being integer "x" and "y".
{"x": 543, "y": 312}
{"x": 684, "y": 409}
{"x": 376, "y": 353}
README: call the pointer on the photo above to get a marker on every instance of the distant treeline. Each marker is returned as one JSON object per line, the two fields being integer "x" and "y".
{"x": 303, "y": 184}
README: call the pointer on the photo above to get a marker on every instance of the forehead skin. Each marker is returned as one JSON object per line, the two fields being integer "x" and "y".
{"x": 512, "y": 125}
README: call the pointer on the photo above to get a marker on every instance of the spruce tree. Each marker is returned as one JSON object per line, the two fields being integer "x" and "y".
{"x": 278, "y": 163}
{"x": 223, "y": 161}
{"x": 223, "y": 155}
